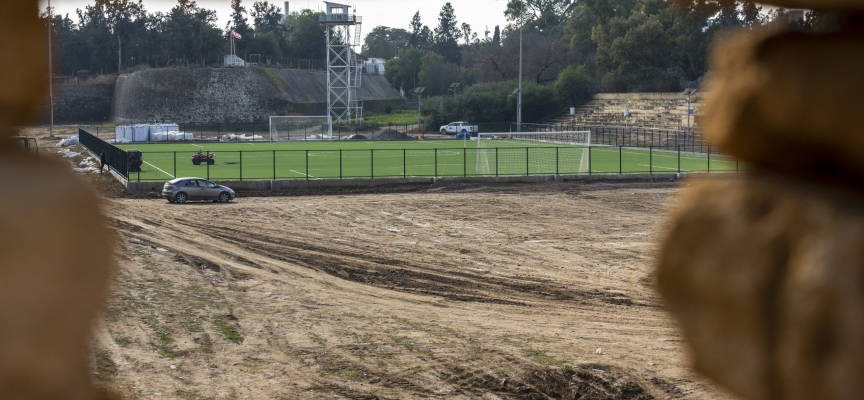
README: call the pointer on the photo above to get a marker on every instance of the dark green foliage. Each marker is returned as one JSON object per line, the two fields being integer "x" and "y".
{"x": 402, "y": 71}
{"x": 388, "y": 109}
{"x": 574, "y": 86}
{"x": 384, "y": 42}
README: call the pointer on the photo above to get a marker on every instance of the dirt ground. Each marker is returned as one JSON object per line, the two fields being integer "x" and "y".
{"x": 459, "y": 291}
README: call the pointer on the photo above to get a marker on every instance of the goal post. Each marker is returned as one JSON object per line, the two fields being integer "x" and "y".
{"x": 528, "y": 153}
{"x": 290, "y": 128}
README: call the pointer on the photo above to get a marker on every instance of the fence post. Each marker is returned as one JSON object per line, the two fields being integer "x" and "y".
{"x": 340, "y": 164}
{"x": 709, "y": 158}
{"x": 679, "y": 158}
{"x": 208, "y": 171}
{"x": 621, "y": 160}
{"x": 651, "y": 160}
{"x": 465, "y": 162}
{"x": 527, "y": 170}
{"x": 274, "y": 165}
{"x": 175, "y": 164}
{"x": 404, "y": 163}
{"x": 372, "y": 161}
{"x": 556, "y": 161}
{"x": 496, "y": 161}
{"x": 241, "y": 165}
{"x": 589, "y": 160}
{"x": 436, "y": 162}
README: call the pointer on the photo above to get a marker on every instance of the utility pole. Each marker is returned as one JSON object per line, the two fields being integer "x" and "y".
{"x": 519, "y": 100}
{"x": 50, "y": 75}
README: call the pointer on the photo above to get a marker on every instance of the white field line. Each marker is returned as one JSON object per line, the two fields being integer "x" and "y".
{"x": 200, "y": 147}
{"x": 657, "y": 166}
{"x": 300, "y": 173}
{"x": 160, "y": 169}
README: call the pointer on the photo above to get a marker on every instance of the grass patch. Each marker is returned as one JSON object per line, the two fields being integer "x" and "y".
{"x": 165, "y": 344}
{"x": 123, "y": 341}
{"x": 397, "y": 117}
{"x": 192, "y": 324}
{"x": 351, "y": 374}
{"x": 205, "y": 344}
{"x": 105, "y": 367}
{"x": 318, "y": 339}
{"x": 545, "y": 359}
{"x": 228, "y": 331}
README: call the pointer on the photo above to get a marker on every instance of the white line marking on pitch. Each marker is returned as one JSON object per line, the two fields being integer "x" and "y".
{"x": 298, "y": 172}
{"x": 200, "y": 147}
{"x": 160, "y": 169}
{"x": 657, "y": 166}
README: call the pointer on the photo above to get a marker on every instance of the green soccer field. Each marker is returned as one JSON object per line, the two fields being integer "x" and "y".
{"x": 442, "y": 158}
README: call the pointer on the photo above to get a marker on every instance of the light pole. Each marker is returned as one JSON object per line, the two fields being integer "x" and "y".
{"x": 453, "y": 88}
{"x": 519, "y": 99}
{"x": 419, "y": 93}
{"x": 50, "y": 75}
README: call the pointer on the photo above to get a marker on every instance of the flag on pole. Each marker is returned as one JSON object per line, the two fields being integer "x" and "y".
{"x": 235, "y": 35}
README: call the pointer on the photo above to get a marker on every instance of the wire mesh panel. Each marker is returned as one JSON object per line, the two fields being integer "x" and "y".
{"x": 504, "y": 162}
{"x": 308, "y": 128}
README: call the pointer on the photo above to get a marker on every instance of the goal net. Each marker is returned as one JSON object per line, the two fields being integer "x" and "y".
{"x": 533, "y": 153}
{"x": 283, "y": 129}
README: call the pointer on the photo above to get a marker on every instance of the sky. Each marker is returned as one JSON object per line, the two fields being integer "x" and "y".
{"x": 393, "y": 13}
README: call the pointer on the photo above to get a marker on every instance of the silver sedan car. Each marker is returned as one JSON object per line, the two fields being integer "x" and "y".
{"x": 181, "y": 190}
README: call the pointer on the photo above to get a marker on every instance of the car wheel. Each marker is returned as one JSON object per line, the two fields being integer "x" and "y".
{"x": 443, "y": 131}
{"x": 181, "y": 198}
{"x": 224, "y": 197}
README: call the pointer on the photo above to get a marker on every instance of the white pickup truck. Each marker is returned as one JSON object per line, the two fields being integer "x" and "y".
{"x": 457, "y": 127}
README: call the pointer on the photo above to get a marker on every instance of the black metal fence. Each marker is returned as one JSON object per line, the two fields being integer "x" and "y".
{"x": 668, "y": 139}
{"x": 431, "y": 162}
{"x": 118, "y": 159}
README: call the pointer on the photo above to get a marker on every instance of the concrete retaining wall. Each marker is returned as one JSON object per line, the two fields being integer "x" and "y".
{"x": 291, "y": 185}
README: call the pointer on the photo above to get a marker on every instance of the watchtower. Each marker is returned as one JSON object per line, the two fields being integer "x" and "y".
{"x": 343, "y": 70}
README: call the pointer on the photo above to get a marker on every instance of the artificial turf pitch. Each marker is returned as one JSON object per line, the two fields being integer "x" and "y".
{"x": 381, "y": 159}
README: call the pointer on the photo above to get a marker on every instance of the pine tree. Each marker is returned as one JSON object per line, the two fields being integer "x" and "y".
{"x": 447, "y": 35}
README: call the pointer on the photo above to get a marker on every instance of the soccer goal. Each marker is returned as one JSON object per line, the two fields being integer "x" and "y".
{"x": 283, "y": 129}
{"x": 533, "y": 153}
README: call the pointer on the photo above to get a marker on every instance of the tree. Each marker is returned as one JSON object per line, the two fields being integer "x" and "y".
{"x": 119, "y": 15}
{"x": 189, "y": 31}
{"x": 574, "y": 86}
{"x": 267, "y": 17}
{"x": 436, "y": 74}
{"x": 544, "y": 15}
{"x": 447, "y": 35}
{"x": 468, "y": 34}
{"x": 496, "y": 37}
{"x": 384, "y": 42}
{"x": 402, "y": 71}
{"x": 305, "y": 36}
{"x": 239, "y": 24}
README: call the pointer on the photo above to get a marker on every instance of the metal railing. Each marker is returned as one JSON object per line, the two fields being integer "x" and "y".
{"x": 436, "y": 162}
{"x": 118, "y": 159}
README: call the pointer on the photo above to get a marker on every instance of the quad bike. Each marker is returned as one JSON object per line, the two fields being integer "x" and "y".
{"x": 208, "y": 158}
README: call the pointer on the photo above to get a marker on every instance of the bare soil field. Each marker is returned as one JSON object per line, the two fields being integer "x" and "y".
{"x": 458, "y": 291}
{"x": 522, "y": 292}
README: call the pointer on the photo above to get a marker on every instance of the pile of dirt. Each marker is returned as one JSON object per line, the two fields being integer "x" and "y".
{"x": 388, "y": 134}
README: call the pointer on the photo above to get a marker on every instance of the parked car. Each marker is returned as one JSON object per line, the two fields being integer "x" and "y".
{"x": 355, "y": 137}
{"x": 458, "y": 127}
{"x": 181, "y": 190}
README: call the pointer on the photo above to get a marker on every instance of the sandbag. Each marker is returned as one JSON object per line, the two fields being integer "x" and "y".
{"x": 765, "y": 274}
{"x": 792, "y": 103}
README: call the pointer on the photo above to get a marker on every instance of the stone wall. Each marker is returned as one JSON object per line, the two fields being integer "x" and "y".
{"x": 236, "y": 95}
{"x": 84, "y": 102}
